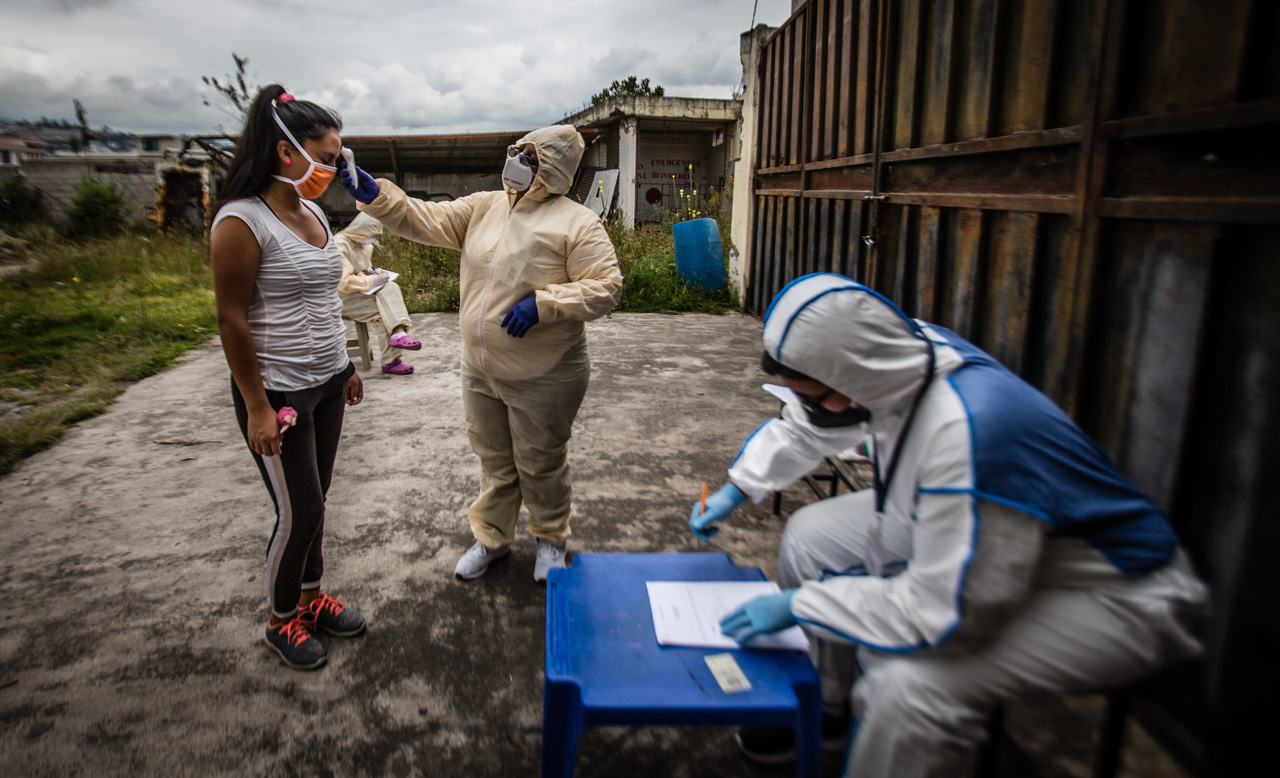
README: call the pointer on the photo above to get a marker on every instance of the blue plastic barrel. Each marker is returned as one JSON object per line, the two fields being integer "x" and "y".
{"x": 699, "y": 257}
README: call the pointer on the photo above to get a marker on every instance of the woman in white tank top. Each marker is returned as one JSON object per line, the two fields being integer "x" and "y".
{"x": 276, "y": 272}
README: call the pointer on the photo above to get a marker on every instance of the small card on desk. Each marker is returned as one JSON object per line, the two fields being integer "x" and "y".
{"x": 727, "y": 673}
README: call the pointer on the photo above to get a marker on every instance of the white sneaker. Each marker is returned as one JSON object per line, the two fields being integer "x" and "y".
{"x": 476, "y": 561}
{"x": 549, "y": 555}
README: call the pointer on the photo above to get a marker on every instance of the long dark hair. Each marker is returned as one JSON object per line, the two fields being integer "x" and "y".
{"x": 255, "y": 160}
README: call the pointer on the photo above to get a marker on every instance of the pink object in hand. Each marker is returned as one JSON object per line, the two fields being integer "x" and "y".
{"x": 287, "y": 418}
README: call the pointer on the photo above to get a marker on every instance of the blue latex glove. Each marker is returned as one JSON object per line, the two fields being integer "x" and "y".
{"x": 719, "y": 506}
{"x": 367, "y": 190}
{"x": 761, "y": 616}
{"x": 521, "y": 317}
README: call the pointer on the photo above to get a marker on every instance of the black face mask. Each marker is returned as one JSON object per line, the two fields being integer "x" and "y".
{"x": 821, "y": 417}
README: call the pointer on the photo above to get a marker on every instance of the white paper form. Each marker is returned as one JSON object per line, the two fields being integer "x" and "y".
{"x": 391, "y": 276}
{"x": 688, "y": 613}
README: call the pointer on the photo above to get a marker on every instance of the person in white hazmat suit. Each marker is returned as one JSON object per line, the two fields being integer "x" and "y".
{"x": 999, "y": 555}
{"x": 535, "y": 267}
{"x": 383, "y": 308}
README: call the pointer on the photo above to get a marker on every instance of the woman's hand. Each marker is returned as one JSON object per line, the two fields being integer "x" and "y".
{"x": 355, "y": 389}
{"x": 264, "y": 432}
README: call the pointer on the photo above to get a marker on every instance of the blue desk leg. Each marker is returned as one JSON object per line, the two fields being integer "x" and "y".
{"x": 561, "y": 725}
{"x": 808, "y": 731}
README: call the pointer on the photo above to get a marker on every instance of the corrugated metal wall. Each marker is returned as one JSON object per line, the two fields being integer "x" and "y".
{"x": 1090, "y": 191}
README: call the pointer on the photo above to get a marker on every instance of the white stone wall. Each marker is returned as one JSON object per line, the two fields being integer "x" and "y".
{"x": 58, "y": 177}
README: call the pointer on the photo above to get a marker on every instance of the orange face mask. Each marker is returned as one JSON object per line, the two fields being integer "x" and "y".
{"x": 316, "y": 179}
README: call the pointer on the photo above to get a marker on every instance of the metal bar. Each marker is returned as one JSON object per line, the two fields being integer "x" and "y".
{"x": 902, "y": 256}
{"x": 819, "y": 260}
{"x": 877, "y": 147}
{"x": 966, "y": 259}
{"x": 832, "y": 194}
{"x": 765, "y": 110}
{"x": 820, "y": 72}
{"x": 866, "y": 97}
{"x": 1060, "y": 136}
{"x": 1012, "y": 263}
{"x": 973, "y": 113}
{"x": 1071, "y": 324}
{"x": 1027, "y": 66}
{"x": 795, "y": 108}
{"x": 927, "y": 263}
{"x": 908, "y": 71}
{"x": 1229, "y": 210}
{"x": 775, "y": 100}
{"x": 848, "y": 79}
{"x": 1001, "y": 202}
{"x": 935, "y": 125}
{"x": 1219, "y": 117}
{"x": 1191, "y": 80}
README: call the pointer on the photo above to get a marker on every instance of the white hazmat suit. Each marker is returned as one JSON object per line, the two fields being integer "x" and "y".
{"x": 385, "y": 308}
{"x": 1000, "y": 555}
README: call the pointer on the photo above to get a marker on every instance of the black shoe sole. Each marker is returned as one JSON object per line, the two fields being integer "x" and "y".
{"x": 293, "y": 665}
{"x": 348, "y": 634}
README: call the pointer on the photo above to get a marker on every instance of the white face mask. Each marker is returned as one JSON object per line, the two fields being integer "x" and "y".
{"x": 305, "y": 187}
{"x": 516, "y": 173}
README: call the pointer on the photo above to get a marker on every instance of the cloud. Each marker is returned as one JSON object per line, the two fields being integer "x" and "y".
{"x": 72, "y": 6}
{"x": 443, "y": 66}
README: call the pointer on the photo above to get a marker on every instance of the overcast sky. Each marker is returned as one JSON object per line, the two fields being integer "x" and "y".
{"x": 414, "y": 66}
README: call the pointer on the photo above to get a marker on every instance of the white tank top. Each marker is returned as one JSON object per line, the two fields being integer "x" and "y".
{"x": 295, "y": 315}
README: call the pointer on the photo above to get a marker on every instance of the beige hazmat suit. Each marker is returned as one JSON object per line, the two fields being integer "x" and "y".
{"x": 520, "y": 395}
{"x": 384, "y": 308}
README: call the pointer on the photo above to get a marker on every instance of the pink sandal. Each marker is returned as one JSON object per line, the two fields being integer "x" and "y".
{"x": 402, "y": 340}
{"x": 397, "y": 368}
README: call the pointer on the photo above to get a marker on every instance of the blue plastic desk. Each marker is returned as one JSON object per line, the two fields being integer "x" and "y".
{"x": 604, "y": 666}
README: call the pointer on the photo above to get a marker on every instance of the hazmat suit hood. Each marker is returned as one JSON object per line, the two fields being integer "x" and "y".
{"x": 852, "y": 339}
{"x": 560, "y": 150}
{"x": 362, "y": 228}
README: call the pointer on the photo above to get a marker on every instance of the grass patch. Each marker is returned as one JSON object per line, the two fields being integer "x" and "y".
{"x": 650, "y": 283}
{"x": 428, "y": 275}
{"x": 88, "y": 319}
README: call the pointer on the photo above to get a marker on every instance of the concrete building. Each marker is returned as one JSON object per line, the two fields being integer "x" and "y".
{"x": 159, "y": 146}
{"x": 14, "y": 151}
{"x": 663, "y": 149}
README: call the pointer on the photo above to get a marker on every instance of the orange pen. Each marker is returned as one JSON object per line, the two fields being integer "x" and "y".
{"x": 704, "y": 498}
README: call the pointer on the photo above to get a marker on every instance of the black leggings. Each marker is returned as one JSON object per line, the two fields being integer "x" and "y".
{"x": 298, "y": 481}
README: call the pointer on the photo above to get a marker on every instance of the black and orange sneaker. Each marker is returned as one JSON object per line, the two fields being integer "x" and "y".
{"x": 295, "y": 644}
{"x": 333, "y": 616}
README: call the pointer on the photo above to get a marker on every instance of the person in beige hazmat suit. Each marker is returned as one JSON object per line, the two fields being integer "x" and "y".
{"x": 535, "y": 267}
{"x": 385, "y": 307}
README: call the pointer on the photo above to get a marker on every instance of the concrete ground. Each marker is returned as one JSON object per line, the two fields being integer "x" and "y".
{"x": 131, "y": 572}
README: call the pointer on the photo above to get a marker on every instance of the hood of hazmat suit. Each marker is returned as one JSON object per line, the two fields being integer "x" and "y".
{"x": 544, "y": 245}
{"x": 355, "y": 244}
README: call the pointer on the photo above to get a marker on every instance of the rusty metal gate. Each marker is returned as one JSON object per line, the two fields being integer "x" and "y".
{"x": 1090, "y": 191}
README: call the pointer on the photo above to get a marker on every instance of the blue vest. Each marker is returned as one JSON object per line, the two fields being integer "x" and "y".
{"x": 1029, "y": 455}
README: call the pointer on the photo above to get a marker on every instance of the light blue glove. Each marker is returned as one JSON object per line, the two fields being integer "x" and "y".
{"x": 761, "y": 616}
{"x": 719, "y": 506}
{"x": 521, "y": 317}
{"x": 366, "y": 191}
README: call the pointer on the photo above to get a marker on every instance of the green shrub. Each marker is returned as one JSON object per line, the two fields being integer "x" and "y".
{"x": 20, "y": 202}
{"x": 97, "y": 208}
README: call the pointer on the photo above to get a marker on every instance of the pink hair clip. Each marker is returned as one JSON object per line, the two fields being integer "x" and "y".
{"x": 285, "y": 97}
